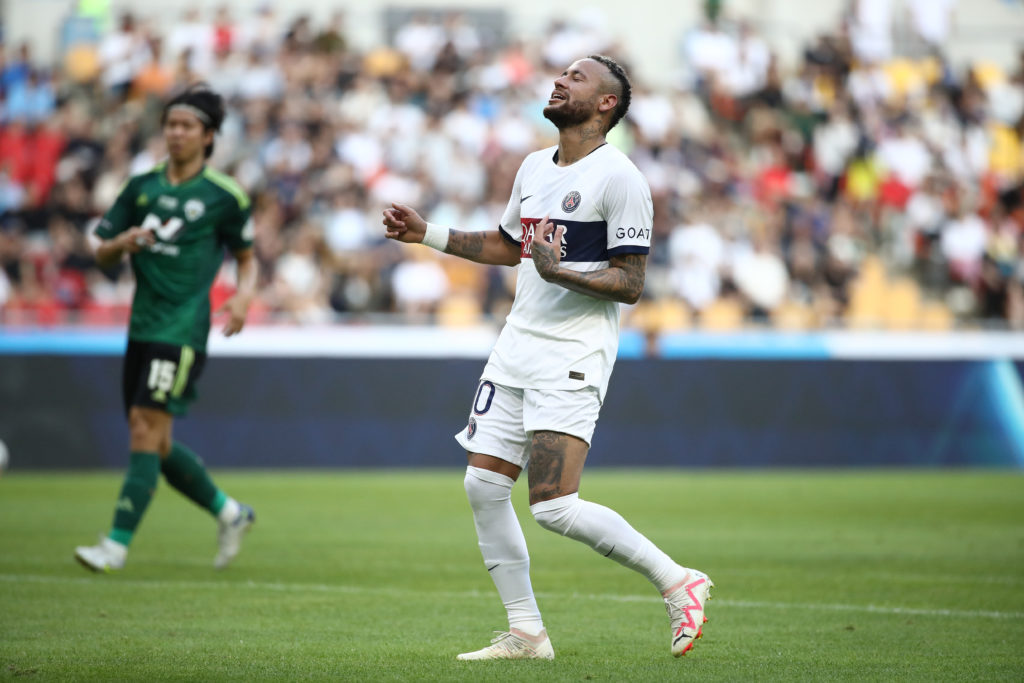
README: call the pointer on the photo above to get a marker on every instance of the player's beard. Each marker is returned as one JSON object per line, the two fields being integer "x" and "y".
{"x": 570, "y": 113}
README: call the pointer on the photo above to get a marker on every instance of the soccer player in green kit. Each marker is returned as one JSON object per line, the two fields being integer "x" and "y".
{"x": 175, "y": 222}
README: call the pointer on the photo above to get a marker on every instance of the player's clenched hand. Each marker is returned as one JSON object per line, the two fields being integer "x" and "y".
{"x": 403, "y": 224}
{"x": 237, "y": 307}
{"x": 546, "y": 248}
{"x": 135, "y": 239}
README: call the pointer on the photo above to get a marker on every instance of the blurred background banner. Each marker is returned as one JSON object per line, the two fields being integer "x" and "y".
{"x": 341, "y": 398}
{"x": 837, "y": 271}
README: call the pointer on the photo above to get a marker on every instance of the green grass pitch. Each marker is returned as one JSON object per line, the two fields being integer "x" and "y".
{"x": 375, "y": 576}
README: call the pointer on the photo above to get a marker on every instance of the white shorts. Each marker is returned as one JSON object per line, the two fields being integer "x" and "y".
{"x": 503, "y": 419}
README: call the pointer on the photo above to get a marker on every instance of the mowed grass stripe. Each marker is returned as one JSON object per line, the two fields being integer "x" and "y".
{"x": 474, "y": 595}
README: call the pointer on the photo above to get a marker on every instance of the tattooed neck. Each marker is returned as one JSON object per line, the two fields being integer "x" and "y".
{"x": 589, "y": 133}
{"x": 578, "y": 145}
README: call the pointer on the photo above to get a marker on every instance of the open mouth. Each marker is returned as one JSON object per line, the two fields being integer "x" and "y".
{"x": 557, "y": 96}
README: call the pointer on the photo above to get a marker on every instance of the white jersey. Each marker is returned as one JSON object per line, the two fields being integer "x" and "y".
{"x": 555, "y": 338}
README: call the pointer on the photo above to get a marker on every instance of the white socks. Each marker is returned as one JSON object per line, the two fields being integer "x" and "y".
{"x": 229, "y": 513}
{"x": 503, "y": 546}
{"x": 609, "y": 534}
{"x": 119, "y": 551}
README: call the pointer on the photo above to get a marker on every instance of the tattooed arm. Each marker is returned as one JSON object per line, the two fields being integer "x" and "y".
{"x": 622, "y": 280}
{"x": 483, "y": 247}
{"x": 405, "y": 225}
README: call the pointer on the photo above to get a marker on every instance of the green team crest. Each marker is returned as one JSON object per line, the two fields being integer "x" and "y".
{"x": 194, "y": 210}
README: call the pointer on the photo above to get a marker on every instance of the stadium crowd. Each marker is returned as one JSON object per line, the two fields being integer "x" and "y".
{"x": 870, "y": 184}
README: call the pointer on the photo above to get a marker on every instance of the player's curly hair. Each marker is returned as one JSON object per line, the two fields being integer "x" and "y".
{"x": 626, "y": 90}
{"x": 207, "y": 105}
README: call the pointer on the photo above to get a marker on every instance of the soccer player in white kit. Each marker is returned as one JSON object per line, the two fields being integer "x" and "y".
{"x": 578, "y": 225}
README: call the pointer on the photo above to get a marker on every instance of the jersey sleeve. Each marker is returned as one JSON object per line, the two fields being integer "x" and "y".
{"x": 511, "y": 226}
{"x": 237, "y": 228}
{"x": 629, "y": 212}
{"x": 118, "y": 217}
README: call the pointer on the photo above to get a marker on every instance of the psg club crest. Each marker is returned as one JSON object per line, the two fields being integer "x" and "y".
{"x": 471, "y": 428}
{"x": 571, "y": 202}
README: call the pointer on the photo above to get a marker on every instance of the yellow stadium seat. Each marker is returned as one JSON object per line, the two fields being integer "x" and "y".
{"x": 792, "y": 315}
{"x": 671, "y": 315}
{"x": 931, "y": 69}
{"x": 936, "y": 317}
{"x": 871, "y": 270}
{"x": 1006, "y": 153}
{"x": 463, "y": 275}
{"x": 988, "y": 74}
{"x": 724, "y": 315}
{"x": 865, "y": 309}
{"x": 902, "y": 305}
{"x": 460, "y": 310}
{"x": 867, "y": 293}
{"x": 905, "y": 78}
{"x": 640, "y": 316}
{"x": 655, "y": 317}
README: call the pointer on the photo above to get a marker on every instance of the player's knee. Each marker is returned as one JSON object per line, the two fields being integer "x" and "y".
{"x": 557, "y": 514}
{"x": 147, "y": 433}
{"x": 140, "y": 426}
{"x": 473, "y": 486}
{"x": 484, "y": 486}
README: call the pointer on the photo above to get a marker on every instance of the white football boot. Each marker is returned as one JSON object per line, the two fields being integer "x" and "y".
{"x": 514, "y": 644}
{"x": 106, "y": 556}
{"x": 229, "y": 536}
{"x": 685, "y": 605}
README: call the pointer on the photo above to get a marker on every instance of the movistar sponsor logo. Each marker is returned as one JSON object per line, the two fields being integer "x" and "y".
{"x": 163, "y": 248}
{"x": 165, "y": 231}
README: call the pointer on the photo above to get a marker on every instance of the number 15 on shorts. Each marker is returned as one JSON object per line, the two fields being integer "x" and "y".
{"x": 161, "y": 378}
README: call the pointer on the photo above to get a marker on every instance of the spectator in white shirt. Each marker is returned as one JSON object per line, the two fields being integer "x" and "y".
{"x": 932, "y": 19}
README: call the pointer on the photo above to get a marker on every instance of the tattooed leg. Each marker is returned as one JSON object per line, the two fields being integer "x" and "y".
{"x": 556, "y": 465}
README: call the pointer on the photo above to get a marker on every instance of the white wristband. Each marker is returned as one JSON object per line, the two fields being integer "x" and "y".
{"x": 436, "y": 236}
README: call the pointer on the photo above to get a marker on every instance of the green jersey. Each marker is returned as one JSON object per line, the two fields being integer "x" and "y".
{"x": 193, "y": 222}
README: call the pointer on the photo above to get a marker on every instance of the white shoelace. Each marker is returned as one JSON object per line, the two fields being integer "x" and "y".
{"x": 509, "y": 642}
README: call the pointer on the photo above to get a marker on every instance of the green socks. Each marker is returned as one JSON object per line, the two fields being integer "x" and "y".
{"x": 137, "y": 491}
{"x": 185, "y": 471}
